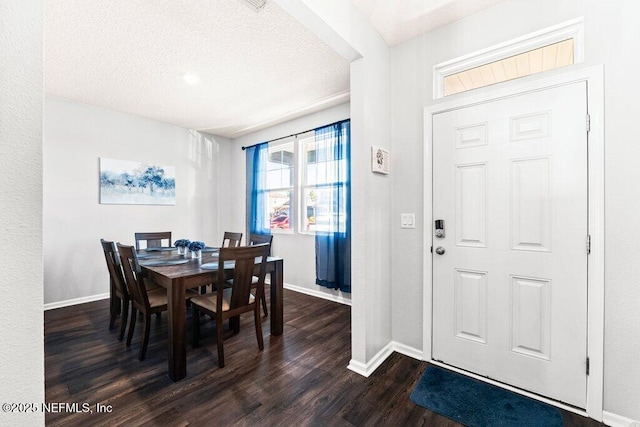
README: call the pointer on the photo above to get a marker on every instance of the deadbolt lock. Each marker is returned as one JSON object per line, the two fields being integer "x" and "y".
{"x": 439, "y": 228}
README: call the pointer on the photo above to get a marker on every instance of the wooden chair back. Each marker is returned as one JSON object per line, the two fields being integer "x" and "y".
{"x": 229, "y": 303}
{"x": 258, "y": 239}
{"x": 245, "y": 258}
{"x": 143, "y": 300}
{"x": 115, "y": 269}
{"x": 133, "y": 277}
{"x": 153, "y": 239}
{"x": 231, "y": 239}
{"x": 118, "y": 293}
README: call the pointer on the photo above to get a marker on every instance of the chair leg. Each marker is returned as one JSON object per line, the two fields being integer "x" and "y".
{"x": 123, "y": 318}
{"x": 234, "y": 324}
{"x": 113, "y": 311}
{"x": 114, "y": 304}
{"x": 145, "y": 336}
{"x": 132, "y": 325}
{"x": 195, "y": 314}
{"x": 256, "y": 318}
{"x": 219, "y": 341}
{"x": 264, "y": 306}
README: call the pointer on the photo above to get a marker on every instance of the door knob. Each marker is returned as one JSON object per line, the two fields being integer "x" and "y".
{"x": 440, "y": 250}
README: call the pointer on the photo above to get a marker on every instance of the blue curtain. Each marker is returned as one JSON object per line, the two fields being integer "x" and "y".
{"x": 333, "y": 248}
{"x": 257, "y": 196}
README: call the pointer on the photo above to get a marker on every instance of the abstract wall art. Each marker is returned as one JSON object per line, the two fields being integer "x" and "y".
{"x": 124, "y": 182}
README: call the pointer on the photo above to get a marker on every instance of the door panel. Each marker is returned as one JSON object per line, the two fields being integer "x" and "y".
{"x": 510, "y": 290}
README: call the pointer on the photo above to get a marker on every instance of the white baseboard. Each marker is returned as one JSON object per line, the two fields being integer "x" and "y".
{"x": 366, "y": 369}
{"x": 414, "y": 353}
{"x": 75, "y": 301}
{"x": 314, "y": 293}
{"x": 615, "y": 420}
{"x": 358, "y": 368}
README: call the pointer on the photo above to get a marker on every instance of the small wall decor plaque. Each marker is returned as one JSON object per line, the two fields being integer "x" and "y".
{"x": 124, "y": 182}
{"x": 379, "y": 160}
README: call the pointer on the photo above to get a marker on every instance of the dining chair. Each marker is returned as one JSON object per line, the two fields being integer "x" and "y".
{"x": 229, "y": 303}
{"x": 231, "y": 239}
{"x": 153, "y": 239}
{"x": 142, "y": 300}
{"x": 257, "y": 239}
{"x": 117, "y": 287}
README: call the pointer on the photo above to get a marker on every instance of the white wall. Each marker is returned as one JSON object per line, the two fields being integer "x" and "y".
{"x": 612, "y": 35}
{"x": 75, "y": 137}
{"x": 298, "y": 250}
{"x": 21, "y": 317}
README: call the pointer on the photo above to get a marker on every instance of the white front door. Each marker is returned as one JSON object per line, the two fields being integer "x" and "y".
{"x": 510, "y": 289}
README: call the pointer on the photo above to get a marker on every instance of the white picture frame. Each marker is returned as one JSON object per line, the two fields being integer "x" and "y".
{"x": 380, "y": 160}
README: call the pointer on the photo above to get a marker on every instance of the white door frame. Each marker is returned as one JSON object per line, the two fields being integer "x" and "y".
{"x": 594, "y": 77}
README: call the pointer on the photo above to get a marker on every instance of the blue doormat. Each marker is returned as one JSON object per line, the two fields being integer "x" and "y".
{"x": 478, "y": 404}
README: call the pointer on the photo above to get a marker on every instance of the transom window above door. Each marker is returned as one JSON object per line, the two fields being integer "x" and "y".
{"x": 535, "y": 61}
{"x": 545, "y": 50}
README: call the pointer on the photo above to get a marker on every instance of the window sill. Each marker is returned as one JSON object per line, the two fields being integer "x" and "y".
{"x": 281, "y": 231}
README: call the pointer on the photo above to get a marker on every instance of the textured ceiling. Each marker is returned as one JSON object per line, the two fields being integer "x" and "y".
{"x": 255, "y": 69}
{"x": 401, "y": 20}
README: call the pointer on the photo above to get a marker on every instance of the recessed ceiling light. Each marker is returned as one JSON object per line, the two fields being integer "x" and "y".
{"x": 192, "y": 79}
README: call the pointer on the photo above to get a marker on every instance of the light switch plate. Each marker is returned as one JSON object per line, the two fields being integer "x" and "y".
{"x": 407, "y": 220}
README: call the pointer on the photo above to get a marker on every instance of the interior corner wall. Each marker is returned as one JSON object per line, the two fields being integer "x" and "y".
{"x": 21, "y": 317}
{"x": 371, "y": 193}
{"x": 610, "y": 28}
{"x": 371, "y": 207}
{"x": 76, "y": 136}
{"x": 298, "y": 250}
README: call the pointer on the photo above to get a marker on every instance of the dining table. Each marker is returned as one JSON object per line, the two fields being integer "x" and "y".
{"x": 179, "y": 272}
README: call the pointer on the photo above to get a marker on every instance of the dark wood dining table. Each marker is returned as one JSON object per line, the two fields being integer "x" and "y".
{"x": 178, "y": 278}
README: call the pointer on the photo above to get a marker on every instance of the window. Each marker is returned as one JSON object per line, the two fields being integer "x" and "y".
{"x": 535, "y": 61}
{"x": 323, "y": 205}
{"x": 280, "y": 180}
{"x": 544, "y": 50}
{"x": 306, "y": 176}
{"x": 299, "y": 183}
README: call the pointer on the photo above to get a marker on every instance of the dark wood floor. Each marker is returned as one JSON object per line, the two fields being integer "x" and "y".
{"x": 299, "y": 379}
